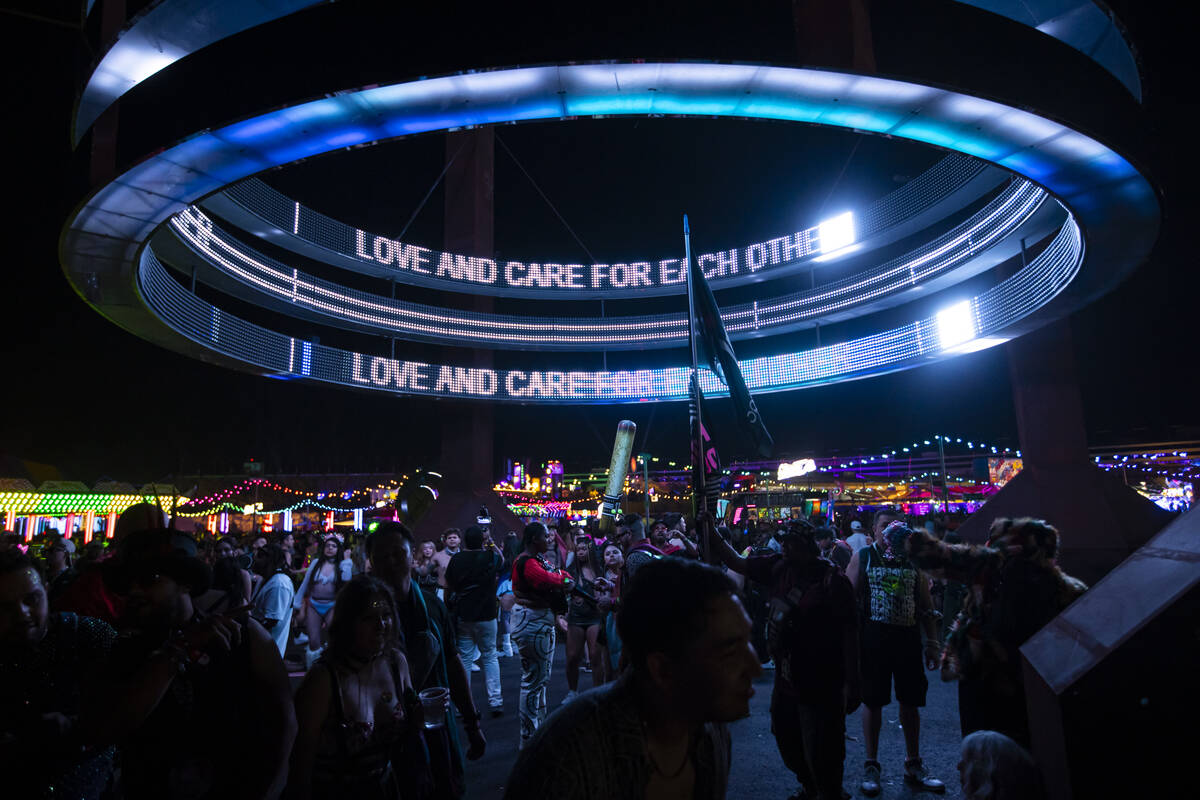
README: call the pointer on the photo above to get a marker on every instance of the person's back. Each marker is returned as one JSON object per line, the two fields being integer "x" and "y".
{"x": 471, "y": 576}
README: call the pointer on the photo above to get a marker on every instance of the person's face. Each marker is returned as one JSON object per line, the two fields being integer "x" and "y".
{"x": 258, "y": 543}
{"x": 658, "y": 535}
{"x": 453, "y": 541}
{"x": 582, "y": 550}
{"x": 881, "y": 522}
{"x": 56, "y": 558}
{"x": 373, "y": 629}
{"x": 287, "y": 542}
{"x": 224, "y": 550}
{"x": 427, "y": 550}
{"x": 23, "y": 611}
{"x": 331, "y": 548}
{"x": 613, "y": 558}
{"x": 541, "y": 540}
{"x": 157, "y": 603}
{"x": 825, "y": 544}
{"x": 391, "y": 559}
{"x": 714, "y": 675}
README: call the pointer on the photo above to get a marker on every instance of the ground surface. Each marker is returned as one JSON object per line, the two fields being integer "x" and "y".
{"x": 758, "y": 772}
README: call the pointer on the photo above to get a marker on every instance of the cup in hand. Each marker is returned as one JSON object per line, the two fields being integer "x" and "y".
{"x": 434, "y": 702}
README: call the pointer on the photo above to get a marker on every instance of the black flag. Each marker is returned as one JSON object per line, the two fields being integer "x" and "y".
{"x": 706, "y": 466}
{"x": 718, "y": 352}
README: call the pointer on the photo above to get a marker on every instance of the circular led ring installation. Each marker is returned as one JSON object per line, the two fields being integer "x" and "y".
{"x": 339, "y": 305}
{"x": 1114, "y": 214}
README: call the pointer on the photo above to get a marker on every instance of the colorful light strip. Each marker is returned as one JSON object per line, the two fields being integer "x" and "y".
{"x": 64, "y": 505}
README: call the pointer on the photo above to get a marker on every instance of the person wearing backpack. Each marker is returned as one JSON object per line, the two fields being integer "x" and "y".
{"x": 812, "y": 633}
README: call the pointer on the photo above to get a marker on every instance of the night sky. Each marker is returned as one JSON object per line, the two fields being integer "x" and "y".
{"x": 94, "y": 401}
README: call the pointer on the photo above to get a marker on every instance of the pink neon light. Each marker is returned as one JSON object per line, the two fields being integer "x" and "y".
{"x": 110, "y": 526}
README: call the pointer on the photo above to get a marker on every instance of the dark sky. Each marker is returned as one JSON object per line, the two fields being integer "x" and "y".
{"x": 95, "y": 401}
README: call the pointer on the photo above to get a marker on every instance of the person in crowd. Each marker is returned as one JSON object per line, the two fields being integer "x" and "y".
{"x": 660, "y": 533}
{"x": 896, "y": 609}
{"x": 229, "y": 547}
{"x": 584, "y": 618}
{"x": 471, "y": 577}
{"x": 254, "y": 543}
{"x": 227, "y": 590}
{"x": 1015, "y": 588}
{"x": 287, "y": 543}
{"x": 210, "y": 714}
{"x": 433, "y": 659}
{"x": 994, "y": 767}
{"x": 540, "y": 591}
{"x": 608, "y": 589}
{"x": 641, "y": 551}
{"x": 834, "y": 551}
{"x": 858, "y": 538}
{"x": 660, "y": 729}
{"x": 451, "y": 544}
{"x": 275, "y": 595}
{"x": 813, "y": 638}
{"x": 50, "y": 668}
{"x": 426, "y": 568}
{"x": 314, "y": 599}
{"x": 357, "y": 713}
{"x": 57, "y": 553}
{"x": 504, "y": 593}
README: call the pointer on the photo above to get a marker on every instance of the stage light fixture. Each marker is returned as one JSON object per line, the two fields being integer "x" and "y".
{"x": 836, "y": 232}
{"x": 956, "y": 324}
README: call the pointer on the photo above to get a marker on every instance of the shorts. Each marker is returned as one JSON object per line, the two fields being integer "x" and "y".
{"x": 583, "y": 620}
{"x": 322, "y": 607}
{"x": 892, "y": 651}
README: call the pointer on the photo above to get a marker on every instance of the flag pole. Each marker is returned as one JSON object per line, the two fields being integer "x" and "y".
{"x": 698, "y": 449}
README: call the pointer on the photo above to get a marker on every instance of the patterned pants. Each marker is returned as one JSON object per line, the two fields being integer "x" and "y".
{"x": 533, "y": 633}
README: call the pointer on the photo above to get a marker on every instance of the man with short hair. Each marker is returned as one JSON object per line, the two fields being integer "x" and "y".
{"x": 833, "y": 551}
{"x": 641, "y": 550}
{"x": 451, "y": 544}
{"x": 812, "y": 634}
{"x": 471, "y": 577}
{"x": 273, "y": 600}
{"x": 895, "y": 606}
{"x": 50, "y": 685}
{"x": 658, "y": 731}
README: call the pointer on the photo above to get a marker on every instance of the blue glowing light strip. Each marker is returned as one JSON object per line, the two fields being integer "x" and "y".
{"x": 404, "y": 319}
{"x": 908, "y": 345}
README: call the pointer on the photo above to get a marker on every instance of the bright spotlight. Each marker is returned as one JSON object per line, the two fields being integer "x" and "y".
{"x": 956, "y": 324}
{"x": 836, "y": 232}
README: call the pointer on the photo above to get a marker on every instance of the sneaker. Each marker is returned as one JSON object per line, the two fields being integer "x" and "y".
{"x": 311, "y": 656}
{"x": 474, "y": 668}
{"x": 916, "y": 775}
{"x": 585, "y": 667}
{"x": 769, "y": 664}
{"x": 570, "y": 696}
{"x": 870, "y": 781}
{"x": 301, "y": 638}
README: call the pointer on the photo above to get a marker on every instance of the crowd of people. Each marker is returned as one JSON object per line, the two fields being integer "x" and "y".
{"x": 158, "y": 665}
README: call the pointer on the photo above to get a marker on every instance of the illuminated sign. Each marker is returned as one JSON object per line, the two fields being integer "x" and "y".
{"x": 547, "y": 275}
{"x": 908, "y": 345}
{"x": 795, "y": 469}
{"x": 767, "y": 315}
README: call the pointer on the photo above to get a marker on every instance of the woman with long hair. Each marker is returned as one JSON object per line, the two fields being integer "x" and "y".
{"x": 315, "y": 597}
{"x": 609, "y": 601}
{"x": 583, "y": 617}
{"x": 425, "y": 568}
{"x": 356, "y": 709}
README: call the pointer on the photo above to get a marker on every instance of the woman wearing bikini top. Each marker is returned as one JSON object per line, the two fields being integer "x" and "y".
{"x": 314, "y": 599}
{"x": 356, "y": 710}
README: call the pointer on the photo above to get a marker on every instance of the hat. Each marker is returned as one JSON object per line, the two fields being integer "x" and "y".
{"x": 856, "y": 526}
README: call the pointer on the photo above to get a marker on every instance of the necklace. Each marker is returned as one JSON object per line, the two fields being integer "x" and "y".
{"x": 687, "y": 756}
